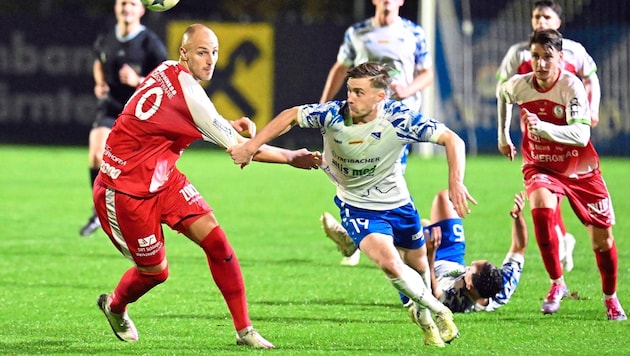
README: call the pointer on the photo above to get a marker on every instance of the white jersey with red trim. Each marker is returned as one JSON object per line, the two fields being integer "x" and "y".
{"x": 550, "y": 106}
{"x": 168, "y": 111}
{"x": 518, "y": 60}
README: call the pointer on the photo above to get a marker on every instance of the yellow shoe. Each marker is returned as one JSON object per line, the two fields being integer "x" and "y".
{"x": 446, "y": 324}
{"x": 429, "y": 331}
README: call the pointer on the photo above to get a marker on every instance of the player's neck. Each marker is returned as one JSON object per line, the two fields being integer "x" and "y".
{"x": 125, "y": 28}
{"x": 546, "y": 84}
{"x": 385, "y": 18}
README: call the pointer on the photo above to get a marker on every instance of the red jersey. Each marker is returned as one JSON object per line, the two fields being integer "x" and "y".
{"x": 565, "y": 102}
{"x": 168, "y": 111}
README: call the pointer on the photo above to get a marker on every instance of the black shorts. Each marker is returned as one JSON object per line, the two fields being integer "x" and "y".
{"x": 106, "y": 113}
{"x": 103, "y": 120}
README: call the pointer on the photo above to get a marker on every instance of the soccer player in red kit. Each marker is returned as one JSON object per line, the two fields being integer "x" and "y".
{"x": 575, "y": 59}
{"x": 560, "y": 160}
{"x": 139, "y": 188}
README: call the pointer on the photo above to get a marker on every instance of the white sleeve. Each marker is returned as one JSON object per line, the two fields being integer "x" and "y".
{"x": 504, "y": 114}
{"x": 577, "y": 134}
{"x": 213, "y": 127}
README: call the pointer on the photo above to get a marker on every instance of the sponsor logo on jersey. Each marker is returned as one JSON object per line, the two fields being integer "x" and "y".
{"x": 147, "y": 241}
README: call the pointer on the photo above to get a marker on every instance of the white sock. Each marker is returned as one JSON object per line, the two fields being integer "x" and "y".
{"x": 411, "y": 284}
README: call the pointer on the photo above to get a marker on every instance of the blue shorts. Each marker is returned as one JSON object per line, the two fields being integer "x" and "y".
{"x": 453, "y": 245}
{"x": 402, "y": 223}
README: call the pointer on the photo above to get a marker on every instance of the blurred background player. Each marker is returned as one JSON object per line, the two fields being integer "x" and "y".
{"x": 478, "y": 287}
{"x": 559, "y": 160}
{"x": 389, "y": 39}
{"x": 125, "y": 54}
{"x": 546, "y": 14}
{"x": 364, "y": 137}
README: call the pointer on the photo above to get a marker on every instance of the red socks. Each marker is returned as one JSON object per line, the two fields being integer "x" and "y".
{"x": 133, "y": 285}
{"x": 226, "y": 272}
{"x": 607, "y": 263}
{"x": 545, "y": 229}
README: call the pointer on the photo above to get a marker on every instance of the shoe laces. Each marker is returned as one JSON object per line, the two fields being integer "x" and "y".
{"x": 556, "y": 292}
{"x": 614, "y": 310}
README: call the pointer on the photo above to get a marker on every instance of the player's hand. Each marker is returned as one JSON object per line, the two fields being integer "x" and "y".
{"x": 459, "y": 197}
{"x": 519, "y": 202}
{"x": 433, "y": 238}
{"x": 508, "y": 150}
{"x": 241, "y": 153}
{"x": 399, "y": 91}
{"x": 531, "y": 120}
{"x": 594, "y": 120}
{"x": 129, "y": 76}
{"x": 305, "y": 159}
{"x": 245, "y": 126}
{"x": 101, "y": 90}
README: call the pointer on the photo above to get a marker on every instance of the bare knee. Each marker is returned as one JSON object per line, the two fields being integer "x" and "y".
{"x": 158, "y": 273}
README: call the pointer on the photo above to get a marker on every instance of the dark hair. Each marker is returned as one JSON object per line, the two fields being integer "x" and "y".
{"x": 548, "y": 38}
{"x": 488, "y": 281}
{"x": 550, "y": 4}
{"x": 378, "y": 73}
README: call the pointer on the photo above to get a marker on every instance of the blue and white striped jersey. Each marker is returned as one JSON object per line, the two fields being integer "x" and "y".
{"x": 363, "y": 160}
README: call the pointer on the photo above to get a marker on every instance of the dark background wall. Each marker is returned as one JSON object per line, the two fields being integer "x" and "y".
{"x": 45, "y": 56}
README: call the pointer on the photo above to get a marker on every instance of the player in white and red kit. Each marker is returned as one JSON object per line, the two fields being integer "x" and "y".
{"x": 560, "y": 160}
{"x": 139, "y": 187}
{"x": 575, "y": 59}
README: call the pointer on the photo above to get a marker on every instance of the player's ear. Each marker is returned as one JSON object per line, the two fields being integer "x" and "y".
{"x": 182, "y": 53}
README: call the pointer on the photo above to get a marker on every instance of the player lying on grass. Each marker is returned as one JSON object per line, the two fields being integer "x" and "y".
{"x": 364, "y": 137}
{"x": 480, "y": 286}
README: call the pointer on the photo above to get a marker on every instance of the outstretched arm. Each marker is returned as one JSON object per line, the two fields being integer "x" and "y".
{"x": 456, "y": 158}
{"x": 519, "y": 226}
{"x": 243, "y": 152}
{"x": 334, "y": 81}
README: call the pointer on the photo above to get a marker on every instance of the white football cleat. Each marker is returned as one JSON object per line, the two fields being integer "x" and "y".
{"x": 569, "y": 244}
{"x": 338, "y": 234}
{"x": 251, "y": 337}
{"x": 121, "y": 324}
{"x": 351, "y": 260}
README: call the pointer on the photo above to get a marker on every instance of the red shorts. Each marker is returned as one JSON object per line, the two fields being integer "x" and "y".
{"x": 134, "y": 225}
{"x": 587, "y": 194}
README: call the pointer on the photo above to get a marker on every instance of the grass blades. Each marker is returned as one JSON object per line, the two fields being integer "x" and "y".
{"x": 299, "y": 296}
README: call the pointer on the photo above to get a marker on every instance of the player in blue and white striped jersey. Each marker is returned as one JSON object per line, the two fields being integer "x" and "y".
{"x": 480, "y": 286}
{"x": 389, "y": 39}
{"x": 364, "y": 137}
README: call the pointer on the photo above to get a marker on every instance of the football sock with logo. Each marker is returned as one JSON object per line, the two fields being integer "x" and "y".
{"x": 226, "y": 272}
{"x": 607, "y": 262}
{"x": 545, "y": 229}
{"x": 411, "y": 284}
{"x": 133, "y": 285}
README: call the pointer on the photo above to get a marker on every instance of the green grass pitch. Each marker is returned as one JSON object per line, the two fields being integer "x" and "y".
{"x": 300, "y": 298}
